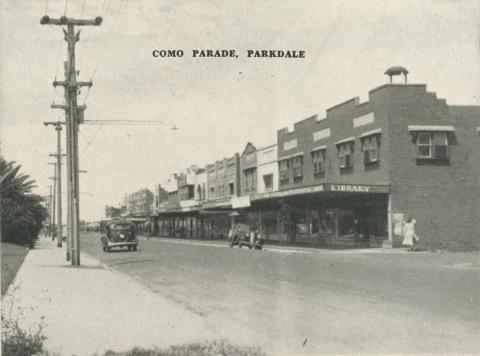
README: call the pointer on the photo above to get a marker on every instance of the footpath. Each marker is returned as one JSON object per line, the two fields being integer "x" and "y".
{"x": 91, "y": 309}
{"x": 279, "y": 248}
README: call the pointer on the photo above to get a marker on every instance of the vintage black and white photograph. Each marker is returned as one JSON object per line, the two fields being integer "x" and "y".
{"x": 240, "y": 177}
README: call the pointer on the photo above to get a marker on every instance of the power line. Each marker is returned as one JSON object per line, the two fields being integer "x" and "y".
{"x": 65, "y": 10}
{"x": 91, "y": 141}
{"x": 83, "y": 8}
{"x": 124, "y": 122}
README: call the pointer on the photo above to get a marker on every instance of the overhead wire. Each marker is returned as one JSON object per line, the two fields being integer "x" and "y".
{"x": 82, "y": 9}
{"x": 107, "y": 40}
{"x": 91, "y": 141}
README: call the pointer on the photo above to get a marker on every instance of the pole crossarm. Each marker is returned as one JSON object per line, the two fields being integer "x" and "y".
{"x": 69, "y": 84}
{"x": 56, "y": 155}
{"x": 62, "y": 21}
{"x": 66, "y": 107}
{"x": 54, "y": 123}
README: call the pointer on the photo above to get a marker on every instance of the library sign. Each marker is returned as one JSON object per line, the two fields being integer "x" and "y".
{"x": 356, "y": 188}
{"x": 327, "y": 187}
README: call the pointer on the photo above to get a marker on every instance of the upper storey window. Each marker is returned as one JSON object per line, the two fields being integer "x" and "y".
{"x": 432, "y": 145}
{"x": 432, "y": 142}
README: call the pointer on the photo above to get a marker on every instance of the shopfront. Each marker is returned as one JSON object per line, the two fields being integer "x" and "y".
{"x": 325, "y": 215}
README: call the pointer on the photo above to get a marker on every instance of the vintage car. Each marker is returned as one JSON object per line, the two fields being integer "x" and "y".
{"x": 119, "y": 233}
{"x": 244, "y": 235}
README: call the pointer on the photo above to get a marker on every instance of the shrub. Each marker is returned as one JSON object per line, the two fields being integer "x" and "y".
{"x": 17, "y": 341}
{"x": 213, "y": 348}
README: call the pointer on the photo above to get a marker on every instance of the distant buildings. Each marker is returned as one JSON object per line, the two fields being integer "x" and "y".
{"x": 349, "y": 178}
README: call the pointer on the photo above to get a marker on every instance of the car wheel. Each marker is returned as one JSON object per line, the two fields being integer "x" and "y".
{"x": 249, "y": 247}
{"x": 231, "y": 244}
{"x": 107, "y": 249}
{"x": 134, "y": 248}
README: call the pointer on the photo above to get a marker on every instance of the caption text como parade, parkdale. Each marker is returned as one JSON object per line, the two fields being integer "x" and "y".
{"x": 228, "y": 53}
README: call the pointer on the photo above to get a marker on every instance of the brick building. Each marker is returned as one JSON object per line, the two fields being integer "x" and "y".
{"x": 350, "y": 177}
{"x": 223, "y": 186}
{"x": 354, "y": 176}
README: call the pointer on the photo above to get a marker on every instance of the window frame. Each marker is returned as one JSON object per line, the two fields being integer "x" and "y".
{"x": 343, "y": 153}
{"x": 371, "y": 143}
{"x": 283, "y": 167}
{"x": 321, "y": 154}
{"x": 297, "y": 166}
{"x": 433, "y": 153}
{"x": 270, "y": 187}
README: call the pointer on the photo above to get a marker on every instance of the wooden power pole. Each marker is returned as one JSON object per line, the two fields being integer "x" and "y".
{"x": 54, "y": 195}
{"x": 73, "y": 119}
{"x": 58, "y": 155}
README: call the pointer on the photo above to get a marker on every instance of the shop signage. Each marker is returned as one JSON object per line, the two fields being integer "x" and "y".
{"x": 217, "y": 204}
{"x": 240, "y": 202}
{"x": 356, "y": 188}
{"x": 347, "y": 188}
{"x": 285, "y": 193}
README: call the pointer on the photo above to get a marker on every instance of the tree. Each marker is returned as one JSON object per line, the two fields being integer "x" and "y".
{"x": 22, "y": 213}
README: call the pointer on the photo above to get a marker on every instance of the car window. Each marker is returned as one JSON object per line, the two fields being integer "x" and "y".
{"x": 120, "y": 226}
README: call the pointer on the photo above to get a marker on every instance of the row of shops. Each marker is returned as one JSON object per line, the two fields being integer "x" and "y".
{"x": 303, "y": 216}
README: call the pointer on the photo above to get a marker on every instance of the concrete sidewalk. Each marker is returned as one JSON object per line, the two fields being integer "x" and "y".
{"x": 278, "y": 248}
{"x": 90, "y": 309}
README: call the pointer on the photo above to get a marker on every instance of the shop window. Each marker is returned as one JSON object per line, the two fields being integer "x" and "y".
{"x": 370, "y": 148}
{"x": 212, "y": 192}
{"x": 432, "y": 145}
{"x": 318, "y": 162}
{"x": 231, "y": 188}
{"x": 268, "y": 182}
{"x": 283, "y": 171}
{"x": 297, "y": 166}
{"x": 345, "y": 157}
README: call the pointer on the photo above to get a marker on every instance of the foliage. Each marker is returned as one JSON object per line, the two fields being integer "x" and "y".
{"x": 22, "y": 213}
{"x": 18, "y": 341}
{"x": 213, "y": 348}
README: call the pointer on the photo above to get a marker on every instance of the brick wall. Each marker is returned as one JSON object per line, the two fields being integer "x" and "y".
{"x": 443, "y": 198}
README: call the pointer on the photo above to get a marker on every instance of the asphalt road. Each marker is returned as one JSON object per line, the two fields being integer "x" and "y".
{"x": 316, "y": 301}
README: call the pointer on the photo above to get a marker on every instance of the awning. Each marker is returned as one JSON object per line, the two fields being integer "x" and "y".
{"x": 437, "y": 128}
{"x": 345, "y": 140}
{"x": 291, "y": 156}
{"x": 318, "y": 148}
{"x": 214, "y": 212}
{"x": 370, "y": 133}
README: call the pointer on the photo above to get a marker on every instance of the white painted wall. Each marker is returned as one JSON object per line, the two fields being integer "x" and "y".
{"x": 267, "y": 163}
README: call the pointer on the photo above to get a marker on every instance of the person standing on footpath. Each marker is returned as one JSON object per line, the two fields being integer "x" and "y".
{"x": 409, "y": 234}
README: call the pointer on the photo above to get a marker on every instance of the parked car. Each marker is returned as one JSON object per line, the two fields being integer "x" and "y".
{"x": 119, "y": 233}
{"x": 244, "y": 235}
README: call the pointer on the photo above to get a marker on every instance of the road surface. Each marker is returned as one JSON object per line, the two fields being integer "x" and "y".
{"x": 315, "y": 302}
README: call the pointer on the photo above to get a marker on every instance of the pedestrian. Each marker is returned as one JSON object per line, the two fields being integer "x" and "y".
{"x": 409, "y": 234}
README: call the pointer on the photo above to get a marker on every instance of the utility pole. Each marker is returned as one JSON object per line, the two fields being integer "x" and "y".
{"x": 54, "y": 178}
{"x": 58, "y": 155}
{"x": 50, "y": 211}
{"x": 72, "y": 121}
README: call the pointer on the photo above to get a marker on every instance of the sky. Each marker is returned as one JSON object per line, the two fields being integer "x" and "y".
{"x": 218, "y": 104}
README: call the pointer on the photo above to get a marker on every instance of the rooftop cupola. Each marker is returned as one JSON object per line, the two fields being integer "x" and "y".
{"x": 396, "y": 70}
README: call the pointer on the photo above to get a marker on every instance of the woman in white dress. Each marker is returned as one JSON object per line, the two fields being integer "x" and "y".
{"x": 408, "y": 233}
